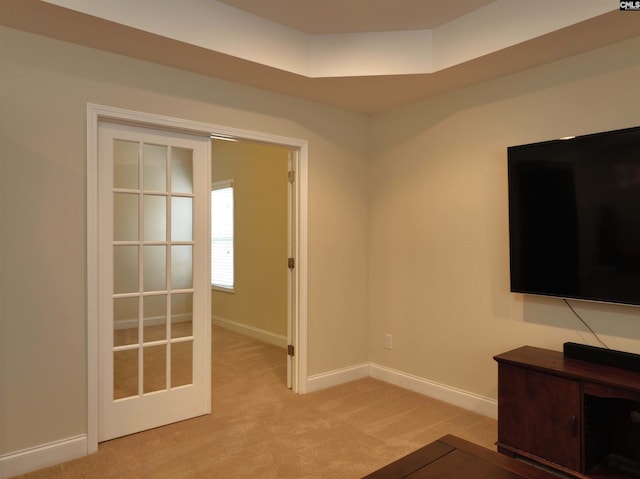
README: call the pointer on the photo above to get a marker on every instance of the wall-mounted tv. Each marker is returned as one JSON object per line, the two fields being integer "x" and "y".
{"x": 574, "y": 217}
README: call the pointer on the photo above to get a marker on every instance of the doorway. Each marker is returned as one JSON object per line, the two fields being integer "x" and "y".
{"x": 251, "y": 239}
{"x": 297, "y": 277}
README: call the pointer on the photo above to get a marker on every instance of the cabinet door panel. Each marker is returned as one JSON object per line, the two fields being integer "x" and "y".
{"x": 540, "y": 414}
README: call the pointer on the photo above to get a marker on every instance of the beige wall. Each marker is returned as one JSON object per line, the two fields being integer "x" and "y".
{"x": 259, "y": 172}
{"x": 46, "y": 85}
{"x": 439, "y": 262}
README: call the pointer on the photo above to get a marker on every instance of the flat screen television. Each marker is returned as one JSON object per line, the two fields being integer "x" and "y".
{"x": 574, "y": 217}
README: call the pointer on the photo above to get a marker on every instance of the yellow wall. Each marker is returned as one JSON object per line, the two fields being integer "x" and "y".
{"x": 259, "y": 173}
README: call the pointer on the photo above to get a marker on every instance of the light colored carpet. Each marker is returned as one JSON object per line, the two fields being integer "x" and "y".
{"x": 260, "y": 429}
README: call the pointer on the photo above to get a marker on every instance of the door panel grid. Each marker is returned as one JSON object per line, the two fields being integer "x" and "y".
{"x": 163, "y": 258}
{"x": 152, "y": 322}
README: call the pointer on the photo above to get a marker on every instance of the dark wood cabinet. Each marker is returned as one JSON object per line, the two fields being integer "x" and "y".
{"x": 574, "y": 416}
{"x": 539, "y": 413}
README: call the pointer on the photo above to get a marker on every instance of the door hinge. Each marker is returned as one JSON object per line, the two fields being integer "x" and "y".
{"x": 291, "y": 350}
{"x": 291, "y": 263}
{"x": 291, "y": 176}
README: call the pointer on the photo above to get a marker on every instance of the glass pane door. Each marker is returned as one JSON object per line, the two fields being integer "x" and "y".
{"x": 153, "y": 324}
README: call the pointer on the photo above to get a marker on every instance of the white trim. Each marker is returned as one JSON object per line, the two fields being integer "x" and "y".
{"x": 458, "y": 397}
{"x": 92, "y": 279}
{"x": 27, "y": 460}
{"x": 251, "y": 331}
{"x": 222, "y": 289}
{"x": 96, "y": 113}
{"x": 218, "y": 185}
{"x": 337, "y": 377}
{"x": 301, "y": 189}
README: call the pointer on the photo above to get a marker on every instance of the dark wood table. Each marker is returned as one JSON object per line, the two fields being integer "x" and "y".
{"x": 453, "y": 458}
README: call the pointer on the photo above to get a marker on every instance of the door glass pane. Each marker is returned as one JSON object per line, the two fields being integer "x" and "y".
{"x": 181, "y": 267}
{"x": 181, "y": 315}
{"x": 155, "y": 318}
{"x": 181, "y": 219}
{"x": 155, "y": 167}
{"x": 155, "y": 268}
{"x": 181, "y": 170}
{"x": 125, "y": 217}
{"x": 181, "y": 363}
{"x": 125, "y": 373}
{"x": 155, "y": 368}
{"x": 125, "y": 321}
{"x": 155, "y": 218}
{"x": 125, "y": 269}
{"x": 125, "y": 164}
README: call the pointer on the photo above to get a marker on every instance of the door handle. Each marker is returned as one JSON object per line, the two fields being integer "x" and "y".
{"x": 574, "y": 425}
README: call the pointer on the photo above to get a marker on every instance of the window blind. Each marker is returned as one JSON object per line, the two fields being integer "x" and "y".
{"x": 222, "y": 251}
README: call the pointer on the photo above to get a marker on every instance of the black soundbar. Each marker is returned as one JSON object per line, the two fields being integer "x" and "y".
{"x": 609, "y": 357}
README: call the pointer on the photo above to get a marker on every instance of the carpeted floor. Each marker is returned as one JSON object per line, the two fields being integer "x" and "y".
{"x": 260, "y": 429}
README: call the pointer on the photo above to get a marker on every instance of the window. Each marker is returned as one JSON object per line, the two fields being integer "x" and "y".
{"x": 222, "y": 235}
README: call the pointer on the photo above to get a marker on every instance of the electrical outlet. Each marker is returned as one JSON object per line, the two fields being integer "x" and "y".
{"x": 388, "y": 341}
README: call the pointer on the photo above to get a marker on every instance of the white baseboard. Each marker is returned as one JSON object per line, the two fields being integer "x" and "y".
{"x": 42, "y": 456}
{"x": 334, "y": 378}
{"x": 458, "y": 397}
{"x": 256, "y": 333}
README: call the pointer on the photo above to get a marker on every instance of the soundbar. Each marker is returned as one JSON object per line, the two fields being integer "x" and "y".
{"x": 609, "y": 357}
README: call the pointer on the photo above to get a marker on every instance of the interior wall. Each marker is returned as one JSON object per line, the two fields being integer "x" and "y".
{"x": 46, "y": 85}
{"x": 439, "y": 261}
{"x": 425, "y": 257}
{"x": 259, "y": 174}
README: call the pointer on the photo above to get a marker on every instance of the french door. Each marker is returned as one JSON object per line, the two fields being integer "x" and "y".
{"x": 153, "y": 282}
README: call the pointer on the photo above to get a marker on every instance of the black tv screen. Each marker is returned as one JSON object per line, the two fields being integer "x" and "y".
{"x": 574, "y": 217}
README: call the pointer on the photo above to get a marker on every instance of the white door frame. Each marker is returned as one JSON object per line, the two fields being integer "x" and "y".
{"x": 97, "y": 113}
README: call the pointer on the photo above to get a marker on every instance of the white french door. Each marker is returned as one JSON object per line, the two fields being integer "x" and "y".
{"x": 153, "y": 280}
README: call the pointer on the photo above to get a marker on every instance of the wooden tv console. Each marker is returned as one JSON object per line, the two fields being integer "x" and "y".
{"x": 575, "y": 416}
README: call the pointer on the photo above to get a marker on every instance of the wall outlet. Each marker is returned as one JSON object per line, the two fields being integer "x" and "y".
{"x": 388, "y": 341}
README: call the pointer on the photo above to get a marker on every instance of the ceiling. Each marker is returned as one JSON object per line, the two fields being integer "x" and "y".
{"x": 358, "y": 16}
{"x": 366, "y": 56}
